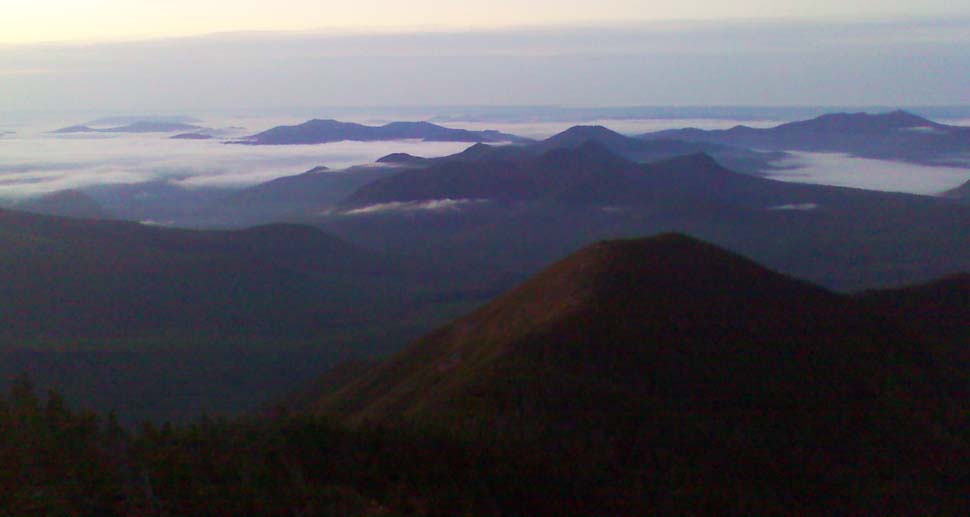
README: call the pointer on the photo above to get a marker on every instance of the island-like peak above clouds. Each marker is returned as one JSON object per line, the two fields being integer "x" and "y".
{"x": 633, "y": 149}
{"x": 896, "y": 135}
{"x": 861, "y": 122}
{"x": 319, "y": 131}
{"x": 143, "y": 126}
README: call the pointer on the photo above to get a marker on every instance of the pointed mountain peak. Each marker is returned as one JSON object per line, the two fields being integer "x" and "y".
{"x": 589, "y": 152}
{"x": 703, "y": 326}
{"x": 475, "y": 152}
{"x": 323, "y": 122}
{"x": 672, "y": 267}
{"x": 402, "y": 158}
{"x": 666, "y": 259}
{"x": 587, "y": 133}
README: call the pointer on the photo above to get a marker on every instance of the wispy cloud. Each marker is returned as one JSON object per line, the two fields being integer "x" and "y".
{"x": 410, "y": 206}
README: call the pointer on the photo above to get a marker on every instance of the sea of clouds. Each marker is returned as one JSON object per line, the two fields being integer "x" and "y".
{"x": 34, "y": 161}
{"x": 849, "y": 171}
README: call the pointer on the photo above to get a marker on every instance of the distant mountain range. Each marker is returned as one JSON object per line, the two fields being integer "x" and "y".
{"x": 522, "y": 210}
{"x": 308, "y": 194}
{"x": 627, "y": 147}
{"x": 586, "y": 173}
{"x": 191, "y": 136}
{"x": 134, "y": 127}
{"x": 896, "y": 135}
{"x": 318, "y": 131}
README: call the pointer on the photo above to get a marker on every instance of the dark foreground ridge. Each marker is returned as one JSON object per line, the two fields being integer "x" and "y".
{"x": 661, "y": 375}
{"x": 662, "y": 323}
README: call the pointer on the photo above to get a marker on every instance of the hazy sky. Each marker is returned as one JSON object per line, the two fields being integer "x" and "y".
{"x": 26, "y": 21}
{"x": 152, "y": 55}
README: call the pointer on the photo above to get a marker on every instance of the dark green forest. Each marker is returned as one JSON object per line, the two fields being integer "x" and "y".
{"x": 60, "y": 461}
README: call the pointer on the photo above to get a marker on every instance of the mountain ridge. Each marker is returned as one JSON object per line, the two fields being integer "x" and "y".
{"x": 678, "y": 324}
{"x": 319, "y": 131}
{"x": 896, "y": 135}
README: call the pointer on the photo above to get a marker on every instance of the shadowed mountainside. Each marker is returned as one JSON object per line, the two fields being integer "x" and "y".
{"x": 110, "y": 310}
{"x": 667, "y": 323}
{"x": 630, "y": 358}
{"x": 525, "y": 211}
{"x": 65, "y": 203}
{"x": 962, "y": 192}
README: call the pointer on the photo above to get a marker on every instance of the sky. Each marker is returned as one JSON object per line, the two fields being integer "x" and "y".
{"x": 32, "y": 21}
{"x": 181, "y": 55}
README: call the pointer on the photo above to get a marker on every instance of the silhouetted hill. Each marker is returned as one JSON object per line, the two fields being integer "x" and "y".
{"x": 667, "y": 323}
{"x": 66, "y": 203}
{"x": 896, "y": 135}
{"x": 79, "y": 277}
{"x": 578, "y": 135}
{"x": 860, "y": 123}
{"x": 638, "y": 356}
{"x": 403, "y": 159}
{"x": 962, "y": 192}
{"x": 935, "y": 309}
{"x": 322, "y": 131}
{"x": 165, "y": 323}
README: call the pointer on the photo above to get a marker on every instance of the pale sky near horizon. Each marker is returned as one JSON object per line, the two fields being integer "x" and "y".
{"x": 136, "y": 55}
{"x": 36, "y": 21}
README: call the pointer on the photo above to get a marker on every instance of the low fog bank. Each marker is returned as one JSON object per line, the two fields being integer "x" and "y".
{"x": 35, "y": 162}
{"x": 848, "y": 171}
